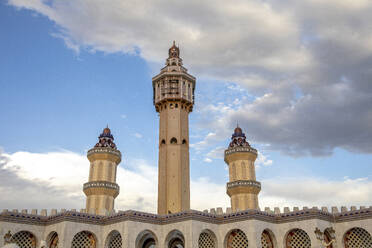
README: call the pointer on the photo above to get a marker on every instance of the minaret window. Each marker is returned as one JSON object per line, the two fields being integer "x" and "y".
{"x": 173, "y": 140}
{"x": 184, "y": 141}
{"x": 163, "y": 142}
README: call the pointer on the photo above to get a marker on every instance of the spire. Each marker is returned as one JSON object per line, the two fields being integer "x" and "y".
{"x": 174, "y": 51}
{"x": 238, "y": 138}
{"x": 106, "y": 139}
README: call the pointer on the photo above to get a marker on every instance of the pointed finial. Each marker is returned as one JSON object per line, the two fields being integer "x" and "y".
{"x": 174, "y": 43}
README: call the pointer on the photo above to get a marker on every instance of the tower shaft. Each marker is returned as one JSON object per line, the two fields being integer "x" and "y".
{"x": 101, "y": 188}
{"x": 242, "y": 187}
{"x": 173, "y": 99}
{"x": 174, "y": 175}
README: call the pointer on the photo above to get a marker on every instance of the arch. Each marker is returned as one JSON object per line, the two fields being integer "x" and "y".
{"x": 184, "y": 142}
{"x": 207, "y": 239}
{"x": 297, "y": 238}
{"x": 268, "y": 239}
{"x": 24, "y": 239}
{"x": 163, "y": 141}
{"x": 52, "y": 240}
{"x": 84, "y": 239}
{"x": 146, "y": 239}
{"x": 357, "y": 237}
{"x": 175, "y": 239}
{"x": 173, "y": 140}
{"x": 236, "y": 238}
{"x": 113, "y": 240}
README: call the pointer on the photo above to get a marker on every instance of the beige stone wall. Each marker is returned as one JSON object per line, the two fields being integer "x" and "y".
{"x": 190, "y": 229}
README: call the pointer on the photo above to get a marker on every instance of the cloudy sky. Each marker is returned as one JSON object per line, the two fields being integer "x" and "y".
{"x": 295, "y": 75}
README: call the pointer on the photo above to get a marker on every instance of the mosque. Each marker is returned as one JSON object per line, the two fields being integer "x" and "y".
{"x": 175, "y": 225}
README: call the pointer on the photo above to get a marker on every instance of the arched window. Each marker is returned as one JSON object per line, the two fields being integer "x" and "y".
{"x": 24, "y": 239}
{"x": 163, "y": 141}
{"x": 175, "y": 239}
{"x": 236, "y": 239}
{"x": 298, "y": 238}
{"x": 357, "y": 237}
{"x": 114, "y": 240}
{"x": 52, "y": 240}
{"x": 207, "y": 240}
{"x": 84, "y": 239}
{"x": 267, "y": 239}
{"x": 184, "y": 141}
{"x": 146, "y": 239}
{"x": 173, "y": 140}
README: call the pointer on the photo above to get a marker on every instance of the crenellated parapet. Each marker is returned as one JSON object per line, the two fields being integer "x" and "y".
{"x": 214, "y": 215}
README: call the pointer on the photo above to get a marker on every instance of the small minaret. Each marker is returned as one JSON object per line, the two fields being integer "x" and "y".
{"x": 242, "y": 187}
{"x": 173, "y": 99}
{"x": 101, "y": 188}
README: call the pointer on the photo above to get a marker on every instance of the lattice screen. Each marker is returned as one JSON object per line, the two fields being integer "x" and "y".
{"x": 24, "y": 239}
{"x": 298, "y": 239}
{"x": 358, "y": 238}
{"x": 115, "y": 240}
{"x": 237, "y": 239}
{"x": 206, "y": 240}
{"x": 266, "y": 241}
{"x": 83, "y": 239}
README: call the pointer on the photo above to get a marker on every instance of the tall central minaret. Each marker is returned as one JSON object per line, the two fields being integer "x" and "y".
{"x": 173, "y": 99}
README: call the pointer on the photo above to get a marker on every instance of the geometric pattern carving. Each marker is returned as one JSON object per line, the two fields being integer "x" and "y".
{"x": 298, "y": 238}
{"x": 357, "y": 238}
{"x": 115, "y": 240}
{"x": 206, "y": 240}
{"x": 266, "y": 240}
{"x": 83, "y": 239}
{"x": 24, "y": 239}
{"x": 237, "y": 239}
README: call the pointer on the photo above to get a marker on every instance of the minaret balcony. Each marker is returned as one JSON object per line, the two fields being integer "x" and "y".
{"x": 243, "y": 186}
{"x": 101, "y": 187}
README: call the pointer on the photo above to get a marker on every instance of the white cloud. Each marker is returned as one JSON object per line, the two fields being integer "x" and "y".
{"x": 123, "y": 116}
{"x": 55, "y": 180}
{"x": 208, "y": 160}
{"x": 138, "y": 135}
{"x": 263, "y": 160}
{"x": 272, "y": 48}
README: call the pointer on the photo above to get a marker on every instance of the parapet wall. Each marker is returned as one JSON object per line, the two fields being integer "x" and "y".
{"x": 286, "y": 210}
{"x": 212, "y": 211}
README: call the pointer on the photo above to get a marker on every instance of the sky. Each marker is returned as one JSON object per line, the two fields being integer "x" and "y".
{"x": 295, "y": 75}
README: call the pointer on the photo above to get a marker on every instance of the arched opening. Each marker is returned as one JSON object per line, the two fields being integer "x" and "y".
{"x": 113, "y": 240}
{"x": 297, "y": 238}
{"x": 173, "y": 140}
{"x": 84, "y": 239}
{"x": 24, "y": 239}
{"x": 52, "y": 240}
{"x": 236, "y": 239}
{"x": 207, "y": 239}
{"x": 357, "y": 237}
{"x": 163, "y": 141}
{"x": 146, "y": 239}
{"x": 184, "y": 142}
{"x": 268, "y": 239}
{"x": 175, "y": 239}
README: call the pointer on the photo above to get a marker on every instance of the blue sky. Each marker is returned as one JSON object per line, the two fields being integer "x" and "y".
{"x": 62, "y": 83}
